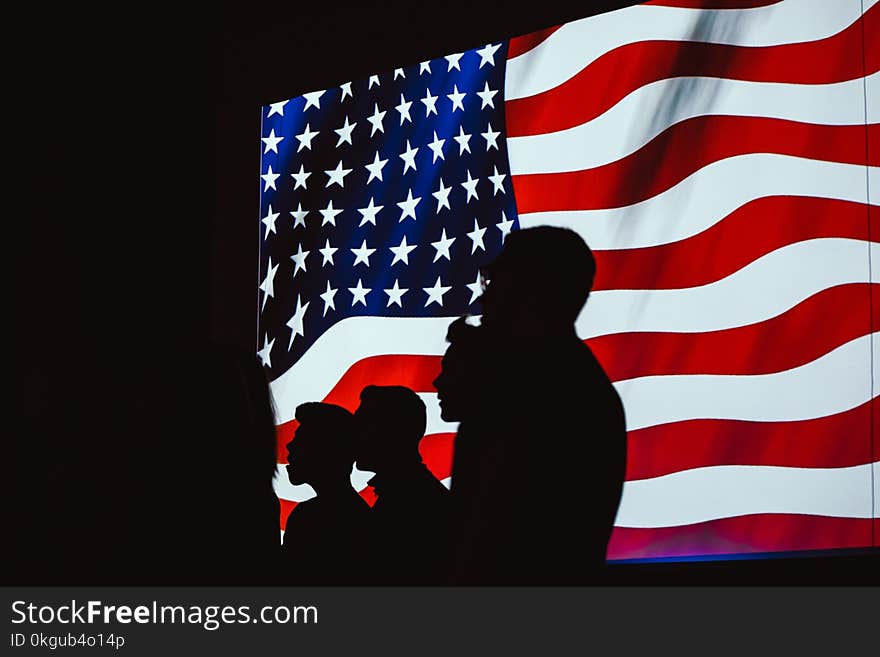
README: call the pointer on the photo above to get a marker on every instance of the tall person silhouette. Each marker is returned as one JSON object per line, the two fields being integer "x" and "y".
{"x": 324, "y": 536}
{"x": 538, "y": 474}
{"x": 465, "y": 378}
{"x": 409, "y": 521}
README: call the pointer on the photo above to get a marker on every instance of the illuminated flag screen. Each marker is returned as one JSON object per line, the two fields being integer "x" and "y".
{"x": 720, "y": 158}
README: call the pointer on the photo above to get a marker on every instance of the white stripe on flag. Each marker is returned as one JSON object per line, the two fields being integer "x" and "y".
{"x": 706, "y": 197}
{"x": 725, "y": 491}
{"x": 631, "y": 123}
{"x": 834, "y": 383}
{"x": 759, "y": 291}
{"x": 346, "y": 342}
{"x": 577, "y": 44}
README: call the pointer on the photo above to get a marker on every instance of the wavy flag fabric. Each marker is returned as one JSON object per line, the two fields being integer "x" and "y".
{"x": 721, "y": 159}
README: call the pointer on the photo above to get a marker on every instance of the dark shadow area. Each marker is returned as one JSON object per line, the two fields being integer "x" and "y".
{"x": 152, "y": 476}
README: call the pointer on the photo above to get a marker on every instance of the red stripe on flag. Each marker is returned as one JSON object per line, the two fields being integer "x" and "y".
{"x": 683, "y": 149}
{"x": 805, "y": 332}
{"x": 436, "y": 451}
{"x": 368, "y": 494}
{"x": 614, "y": 75}
{"x": 522, "y": 44}
{"x": 749, "y": 232}
{"x": 283, "y": 435}
{"x": 827, "y": 442}
{"x": 286, "y": 507}
{"x": 742, "y": 534}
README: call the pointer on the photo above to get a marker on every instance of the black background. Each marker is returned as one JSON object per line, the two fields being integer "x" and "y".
{"x": 140, "y": 131}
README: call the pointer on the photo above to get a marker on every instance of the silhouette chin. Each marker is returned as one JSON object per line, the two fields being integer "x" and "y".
{"x": 447, "y": 414}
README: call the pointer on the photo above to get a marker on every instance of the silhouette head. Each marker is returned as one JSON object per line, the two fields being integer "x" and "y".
{"x": 539, "y": 281}
{"x": 323, "y": 446}
{"x": 458, "y": 384}
{"x": 391, "y": 422}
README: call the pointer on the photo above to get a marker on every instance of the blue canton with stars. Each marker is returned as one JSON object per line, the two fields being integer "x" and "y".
{"x": 382, "y": 197}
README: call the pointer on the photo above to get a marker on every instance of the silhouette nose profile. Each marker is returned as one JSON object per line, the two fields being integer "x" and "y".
{"x": 458, "y": 383}
{"x": 297, "y": 455}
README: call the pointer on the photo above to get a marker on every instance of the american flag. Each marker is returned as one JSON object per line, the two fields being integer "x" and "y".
{"x": 719, "y": 156}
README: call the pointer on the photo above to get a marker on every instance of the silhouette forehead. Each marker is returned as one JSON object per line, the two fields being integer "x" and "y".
{"x": 540, "y": 249}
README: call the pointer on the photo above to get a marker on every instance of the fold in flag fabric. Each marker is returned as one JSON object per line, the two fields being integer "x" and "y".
{"x": 721, "y": 159}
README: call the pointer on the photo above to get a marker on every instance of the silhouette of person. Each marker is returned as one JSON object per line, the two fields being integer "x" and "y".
{"x": 409, "y": 520}
{"x": 325, "y": 536}
{"x": 462, "y": 385}
{"x": 540, "y": 462}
